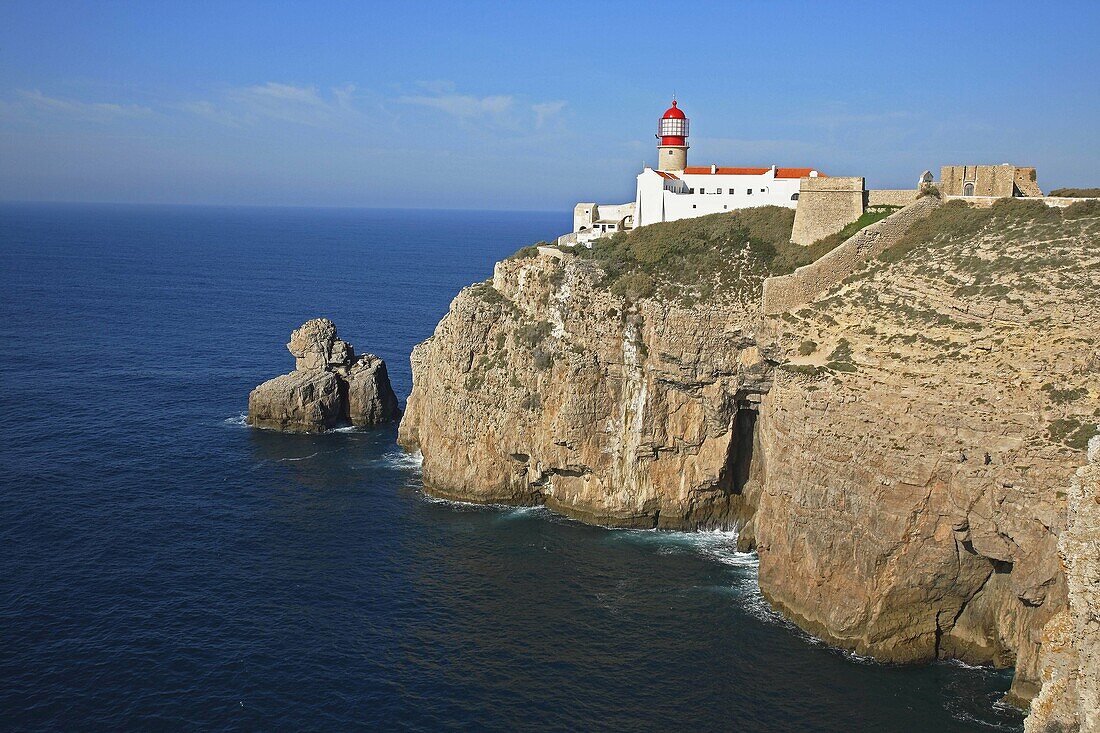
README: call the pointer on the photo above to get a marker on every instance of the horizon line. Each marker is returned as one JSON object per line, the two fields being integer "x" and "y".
{"x": 41, "y": 202}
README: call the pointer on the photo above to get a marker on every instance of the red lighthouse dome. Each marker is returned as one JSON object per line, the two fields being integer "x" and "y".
{"x": 673, "y": 112}
{"x": 672, "y": 128}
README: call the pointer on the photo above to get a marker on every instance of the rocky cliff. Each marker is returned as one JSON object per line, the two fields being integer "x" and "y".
{"x": 545, "y": 386}
{"x": 897, "y": 450}
{"x": 329, "y": 386}
{"x": 920, "y": 435}
{"x": 1070, "y": 662}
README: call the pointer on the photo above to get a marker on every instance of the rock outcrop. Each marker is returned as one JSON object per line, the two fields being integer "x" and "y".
{"x": 544, "y": 387}
{"x": 897, "y": 449}
{"x": 329, "y": 387}
{"x": 1070, "y": 663}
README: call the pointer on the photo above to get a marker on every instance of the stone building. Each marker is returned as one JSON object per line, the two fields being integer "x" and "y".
{"x": 603, "y": 218}
{"x": 988, "y": 180}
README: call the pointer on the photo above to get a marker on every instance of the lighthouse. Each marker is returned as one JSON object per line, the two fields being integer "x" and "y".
{"x": 673, "y": 190}
{"x": 672, "y": 132}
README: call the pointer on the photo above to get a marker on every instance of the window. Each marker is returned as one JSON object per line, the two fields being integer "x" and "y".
{"x": 719, "y": 191}
{"x": 693, "y": 206}
{"x": 749, "y": 192}
{"x": 702, "y": 190}
{"x": 670, "y": 152}
{"x": 691, "y": 190}
{"x": 794, "y": 197}
{"x": 968, "y": 189}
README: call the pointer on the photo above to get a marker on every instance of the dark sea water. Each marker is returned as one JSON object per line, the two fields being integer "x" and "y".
{"x": 163, "y": 567}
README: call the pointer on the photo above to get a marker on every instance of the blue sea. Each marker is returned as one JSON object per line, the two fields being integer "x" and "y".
{"x": 165, "y": 567}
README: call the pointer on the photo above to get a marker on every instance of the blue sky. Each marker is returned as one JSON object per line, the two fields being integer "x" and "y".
{"x": 526, "y": 105}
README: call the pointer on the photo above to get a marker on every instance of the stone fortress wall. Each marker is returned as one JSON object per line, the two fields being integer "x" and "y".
{"x": 825, "y": 206}
{"x": 828, "y": 204}
{"x": 988, "y": 180}
{"x": 1026, "y": 183}
{"x": 889, "y": 197}
{"x": 787, "y": 292}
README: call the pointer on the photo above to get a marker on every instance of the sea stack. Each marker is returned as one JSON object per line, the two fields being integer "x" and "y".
{"x": 329, "y": 386}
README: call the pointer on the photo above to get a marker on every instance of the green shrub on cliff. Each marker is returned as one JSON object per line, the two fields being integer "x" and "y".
{"x": 831, "y": 242}
{"x": 533, "y": 334}
{"x": 530, "y": 250}
{"x": 928, "y": 190}
{"x": 840, "y": 360}
{"x": 1072, "y": 432}
{"x": 1062, "y": 396}
{"x": 1011, "y": 218}
{"x": 486, "y": 292}
{"x": 633, "y": 285}
{"x": 695, "y": 259}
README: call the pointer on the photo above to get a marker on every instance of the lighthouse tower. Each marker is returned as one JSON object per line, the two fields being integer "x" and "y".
{"x": 672, "y": 132}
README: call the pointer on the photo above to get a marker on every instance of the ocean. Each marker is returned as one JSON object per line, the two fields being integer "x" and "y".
{"x": 166, "y": 567}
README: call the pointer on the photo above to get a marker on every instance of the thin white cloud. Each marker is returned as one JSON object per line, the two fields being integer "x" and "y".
{"x": 344, "y": 95}
{"x": 303, "y": 105}
{"x": 91, "y": 111}
{"x": 463, "y": 106}
{"x": 280, "y": 93}
{"x": 209, "y": 111}
{"x": 546, "y": 111}
{"x": 286, "y": 102}
{"x": 505, "y": 112}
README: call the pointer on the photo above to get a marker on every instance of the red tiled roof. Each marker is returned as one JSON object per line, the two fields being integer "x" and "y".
{"x": 796, "y": 173}
{"x": 669, "y": 176}
{"x": 779, "y": 172}
{"x": 701, "y": 169}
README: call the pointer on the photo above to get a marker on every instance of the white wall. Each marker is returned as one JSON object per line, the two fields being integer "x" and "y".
{"x": 655, "y": 202}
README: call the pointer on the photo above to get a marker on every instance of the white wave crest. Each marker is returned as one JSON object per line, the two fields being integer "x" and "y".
{"x": 402, "y": 460}
{"x": 240, "y": 420}
{"x": 717, "y": 544}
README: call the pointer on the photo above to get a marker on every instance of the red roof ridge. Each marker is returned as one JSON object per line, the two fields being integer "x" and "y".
{"x": 797, "y": 172}
{"x": 731, "y": 171}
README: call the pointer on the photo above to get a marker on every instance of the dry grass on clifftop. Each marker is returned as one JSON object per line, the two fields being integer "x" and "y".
{"x": 999, "y": 308}
{"x": 695, "y": 259}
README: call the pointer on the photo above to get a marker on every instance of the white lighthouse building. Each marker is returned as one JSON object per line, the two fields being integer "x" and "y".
{"x": 674, "y": 190}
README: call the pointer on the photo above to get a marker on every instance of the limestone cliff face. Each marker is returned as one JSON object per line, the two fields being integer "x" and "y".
{"x": 543, "y": 387}
{"x": 919, "y": 437}
{"x": 1070, "y": 662}
{"x": 897, "y": 450}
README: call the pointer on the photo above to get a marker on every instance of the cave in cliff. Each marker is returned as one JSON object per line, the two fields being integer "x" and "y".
{"x": 739, "y": 459}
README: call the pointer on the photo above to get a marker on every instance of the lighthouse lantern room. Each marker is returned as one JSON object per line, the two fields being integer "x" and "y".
{"x": 672, "y": 132}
